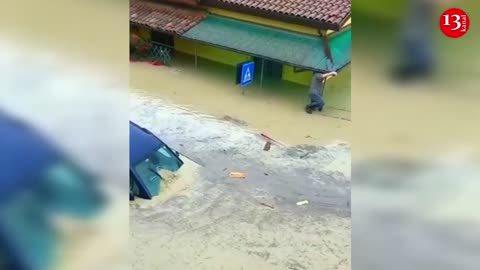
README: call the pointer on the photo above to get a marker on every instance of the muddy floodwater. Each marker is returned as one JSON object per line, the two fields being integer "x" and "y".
{"x": 212, "y": 90}
{"x": 209, "y": 220}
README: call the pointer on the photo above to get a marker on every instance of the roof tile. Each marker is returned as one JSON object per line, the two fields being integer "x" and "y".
{"x": 330, "y": 11}
{"x": 164, "y": 17}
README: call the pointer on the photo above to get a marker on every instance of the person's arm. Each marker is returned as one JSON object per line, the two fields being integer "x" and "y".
{"x": 326, "y": 75}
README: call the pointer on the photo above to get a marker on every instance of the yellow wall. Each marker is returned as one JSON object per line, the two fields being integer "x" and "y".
{"x": 347, "y": 24}
{"x": 209, "y": 52}
{"x": 338, "y": 93}
{"x": 303, "y": 78}
{"x": 144, "y": 33}
{"x": 264, "y": 21}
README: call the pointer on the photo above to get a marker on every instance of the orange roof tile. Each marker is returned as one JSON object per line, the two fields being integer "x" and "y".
{"x": 329, "y": 11}
{"x": 165, "y": 18}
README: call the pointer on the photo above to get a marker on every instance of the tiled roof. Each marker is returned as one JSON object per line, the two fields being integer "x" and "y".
{"x": 330, "y": 11}
{"x": 165, "y": 18}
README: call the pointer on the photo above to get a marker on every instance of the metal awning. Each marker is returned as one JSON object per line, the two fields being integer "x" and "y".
{"x": 341, "y": 47}
{"x": 296, "y": 49}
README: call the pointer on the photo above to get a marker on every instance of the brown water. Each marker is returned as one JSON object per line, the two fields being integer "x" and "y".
{"x": 280, "y": 113}
{"x": 419, "y": 120}
{"x": 215, "y": 222}
{"x": 174, "y": 184}
{"x": 276, "y": 109}
{"x": 87, "y": 32}
{"x": 98, "y": 33}
{"x": 92, "y": 32}
{"x": 83, "y": 34}
{"x": 95, "y": 244}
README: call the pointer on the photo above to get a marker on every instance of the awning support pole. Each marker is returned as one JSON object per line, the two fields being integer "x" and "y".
{"x": 196, "y": 58}
{"x": 326, "y": 45}
{"x": 261, "y": 74}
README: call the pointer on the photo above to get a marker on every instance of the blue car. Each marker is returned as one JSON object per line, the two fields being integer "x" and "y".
{"x": 37, "y": 183}
{"x": 148, "y": 156}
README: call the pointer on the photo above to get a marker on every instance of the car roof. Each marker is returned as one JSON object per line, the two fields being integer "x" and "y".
{"x": 142, "y": 144}
{"x": 24, "y": 154}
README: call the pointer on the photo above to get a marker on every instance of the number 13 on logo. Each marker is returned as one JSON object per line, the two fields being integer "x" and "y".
{"x": 454, "y": 23}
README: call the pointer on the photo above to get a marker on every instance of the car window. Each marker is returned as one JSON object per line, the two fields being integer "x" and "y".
{"x": 166, "y": 159}
{"x": 149, "y": 170}
{"x": 26, "y": 224}
{"x": 68, "y": 189}
{"x": 148, "y": 173}
{"x": 61, "y": 189}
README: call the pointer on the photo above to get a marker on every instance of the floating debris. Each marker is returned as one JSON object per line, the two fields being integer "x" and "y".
{"x": 267, "y": 146}
{"x": 239, "y": 175}
{"x": 271, "y": 140}
{"x": 302, "y": 202}
{"x": 266, "y": 205}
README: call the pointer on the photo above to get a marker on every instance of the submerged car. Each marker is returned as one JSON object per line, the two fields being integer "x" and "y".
{"x": 38, "y": 183}
{"x": 148, "y": 156}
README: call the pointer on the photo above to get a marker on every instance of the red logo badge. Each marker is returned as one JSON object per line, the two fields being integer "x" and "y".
{"x": 454, "y": 23}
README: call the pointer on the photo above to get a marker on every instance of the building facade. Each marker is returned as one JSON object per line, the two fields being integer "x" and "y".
{"x": 287, "y": 39}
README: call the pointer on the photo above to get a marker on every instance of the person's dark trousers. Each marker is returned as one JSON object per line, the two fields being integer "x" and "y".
{"x": 316, "y": 103}
{"x": 419, "y": 60}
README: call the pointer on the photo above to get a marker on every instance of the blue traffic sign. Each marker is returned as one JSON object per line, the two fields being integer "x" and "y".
{"x": 246, "y": 76}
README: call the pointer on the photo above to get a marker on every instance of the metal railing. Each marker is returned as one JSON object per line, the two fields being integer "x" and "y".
{"x": 153, "y": 51}
{"x": 161, "y": 52}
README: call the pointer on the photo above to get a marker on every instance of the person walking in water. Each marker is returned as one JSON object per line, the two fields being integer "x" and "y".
{"x": 316, "y": 91}
{"x": 417, "y": 55}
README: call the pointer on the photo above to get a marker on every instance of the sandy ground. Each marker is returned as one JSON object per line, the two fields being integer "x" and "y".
{"x": 218, "y": 222}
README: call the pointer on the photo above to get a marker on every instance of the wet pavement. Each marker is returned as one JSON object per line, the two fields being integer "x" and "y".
{"x": 251, "y": 223}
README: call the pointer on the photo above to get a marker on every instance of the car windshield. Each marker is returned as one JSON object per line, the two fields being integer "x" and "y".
{"x": 148, "y": 170}
{"x": 26, "y": 219}
{"x": 71, "y": 190}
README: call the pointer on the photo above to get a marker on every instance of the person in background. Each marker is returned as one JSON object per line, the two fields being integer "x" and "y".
{"x": 417, "y": 53}
{"x": 316, "y": 91}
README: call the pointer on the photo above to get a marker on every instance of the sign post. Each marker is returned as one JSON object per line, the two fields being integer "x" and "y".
{"x": 245, "y": 73}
